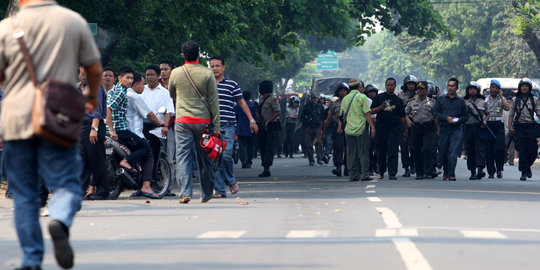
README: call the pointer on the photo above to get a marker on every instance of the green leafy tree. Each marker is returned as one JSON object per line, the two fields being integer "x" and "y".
{"x": 527, "y": 24}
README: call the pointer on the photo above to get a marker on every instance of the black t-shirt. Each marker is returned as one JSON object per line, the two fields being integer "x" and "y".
{"x": 393, "y": 112}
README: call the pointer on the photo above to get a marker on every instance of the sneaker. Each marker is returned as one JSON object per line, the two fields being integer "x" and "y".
{"x": 491, "y": 176}
{"x": 311, "y": 163}
{"x": 205, "y": 200}
{"x": 320, "y": 162}
{"x": 407, "y": 173}
{"x": 392, "y": 177}
{"x": 499, "y": 175}
{"x": 62, "y": 249}
{"x": 265, "y": 174}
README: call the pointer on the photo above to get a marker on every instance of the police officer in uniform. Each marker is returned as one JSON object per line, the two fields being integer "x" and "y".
{"x": 335, "y": 124}
{"x": 424, "y": 127}
{"x": 521, "y": 123}
{"x": 312, "y": 116}
{"x": 371, "y": 92}
{"x": 407, "y": 156}
{"x": 267, "y": 119}
{"x": 475, "y": 145}
{"x": 495, "y": 151}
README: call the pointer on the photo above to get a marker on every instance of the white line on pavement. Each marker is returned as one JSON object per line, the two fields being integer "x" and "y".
{"x": 221, "y": 234}
{"x": 307, "y": 234}
{"x": 374, "y": 199}
{"x": 389, "y": 218}
{"x": 395, "y": 232}
{"x": 370, "y": 191}
{"x": 412, "y": 257}
{"x": 479, "y": 229}
{"x": 483, "y": 234}
{"x": 370, "y": 186}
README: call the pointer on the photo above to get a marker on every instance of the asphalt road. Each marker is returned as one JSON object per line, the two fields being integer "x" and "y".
{"x": 305, "y": 218}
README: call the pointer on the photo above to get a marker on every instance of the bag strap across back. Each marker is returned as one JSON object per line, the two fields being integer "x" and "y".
{"x": 203, "y": 98}
{"x": 18, "y": 34}
{"x": 349, "y": 107}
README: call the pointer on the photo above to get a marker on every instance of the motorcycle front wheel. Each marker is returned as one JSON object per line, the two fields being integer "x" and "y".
{"x": 163, "y": 177}
{"x": 115, "y": 182}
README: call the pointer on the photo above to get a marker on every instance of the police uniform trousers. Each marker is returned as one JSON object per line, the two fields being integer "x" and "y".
{"x": 340, "y": 149}
{"x": 388, "y": 139}
{"x": 495, "y": 150}
{"x": 267, "y": 143}
{"x": 313, "y": 134}
{"x": 289, "y": 140}
{"x": 422, "y": 136}
{"x": 526, "y": 146}
{"x": 407, "y": 154}
{"x": 475, "y": 147}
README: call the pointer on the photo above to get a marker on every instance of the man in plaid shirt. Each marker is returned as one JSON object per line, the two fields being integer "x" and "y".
{"x": 117, "y": 103}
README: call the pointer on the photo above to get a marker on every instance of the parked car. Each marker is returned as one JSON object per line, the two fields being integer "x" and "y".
{"x": 508, "y": 85}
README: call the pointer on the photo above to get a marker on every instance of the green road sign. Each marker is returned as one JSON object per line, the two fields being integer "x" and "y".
{"x": 327, "y": 61}
{"x": 93, "y": 28}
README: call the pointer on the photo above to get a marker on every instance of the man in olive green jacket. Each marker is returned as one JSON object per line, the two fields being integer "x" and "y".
{"x": 192, "y": 117}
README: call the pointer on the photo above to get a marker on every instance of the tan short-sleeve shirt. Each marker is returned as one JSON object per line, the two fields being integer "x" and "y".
{"x": 269, "y": 107}
{"x": 59, "y": 40}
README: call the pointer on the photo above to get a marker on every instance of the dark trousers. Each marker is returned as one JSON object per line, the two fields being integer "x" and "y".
{"x": 373, "y": 157}
{"x": 289, "y": 139}
{"x": 475, "y": 147}
{"x": 155, "y": 148}
{"x": 526, "y": 146}
{"x": 407, "y": 154}
{"x": 450, "y": 148}
{"x": 140, "y": 152}
{"x": 245, "y": 149}
{"x": 267, "y": 140}
{"x": 388, "y": 139}
{"x": 422, "y": 136}
{"x": 93, "y": 157}
{"x": 495, "y": 150}
{"x": 340, "y": 149}
{"x": 313, "y": 135}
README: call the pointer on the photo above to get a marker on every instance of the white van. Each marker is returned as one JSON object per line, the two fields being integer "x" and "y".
{"x": 508, "y": 85}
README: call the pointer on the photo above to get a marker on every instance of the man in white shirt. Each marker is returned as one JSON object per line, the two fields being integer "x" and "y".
{"x": 156, "y": 96}
{"x": 137, "y": 111}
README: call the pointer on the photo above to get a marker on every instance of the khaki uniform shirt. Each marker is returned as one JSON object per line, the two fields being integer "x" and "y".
{"x": 269, "y": 107}
{"x": 335, "y": 107}
{"x": 494, "y": 106}
{"x": 420, "y": 111}
{"x": 58, "y": 40}
{"x": 406, "y": 96}
{"x": 525, "y": 117}
{"x": 482, "y": 107}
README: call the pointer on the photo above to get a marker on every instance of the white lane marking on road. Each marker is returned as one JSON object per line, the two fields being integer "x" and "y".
{"x": 411, "y": 256}
{"x": 396, "y": 232}
{"x": 374, "y": 199}
{"x": 483, "y": 234}
{"x": 479, "y": 229}
{"x": 370, "y": 186}
{"x": 307, "y": 234}
{"x": 390, "y": 218}
{"x": 370, "y": 191}
{"x": 221, "y": 234}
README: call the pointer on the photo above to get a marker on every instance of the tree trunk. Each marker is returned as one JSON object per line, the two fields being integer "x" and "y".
{"x": 534, "y": 43}
{"x": 13, "y": 7}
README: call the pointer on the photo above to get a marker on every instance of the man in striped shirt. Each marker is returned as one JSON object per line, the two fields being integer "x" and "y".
{"x": 229, "y": 92}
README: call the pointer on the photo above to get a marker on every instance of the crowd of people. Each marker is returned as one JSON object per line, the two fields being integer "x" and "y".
{"x": 176, "y": 109}
{"x": 428, "y": 129}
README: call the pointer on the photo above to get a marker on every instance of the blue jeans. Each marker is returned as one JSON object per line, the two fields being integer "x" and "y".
{"x": 224, "y": 174}
{"x": 450, "y": 148}
{"x": 60, "y": 168}
{"x": 188, "y": 136}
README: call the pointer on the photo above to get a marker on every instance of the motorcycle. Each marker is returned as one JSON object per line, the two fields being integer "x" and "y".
{"x": 121, "y": 179}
